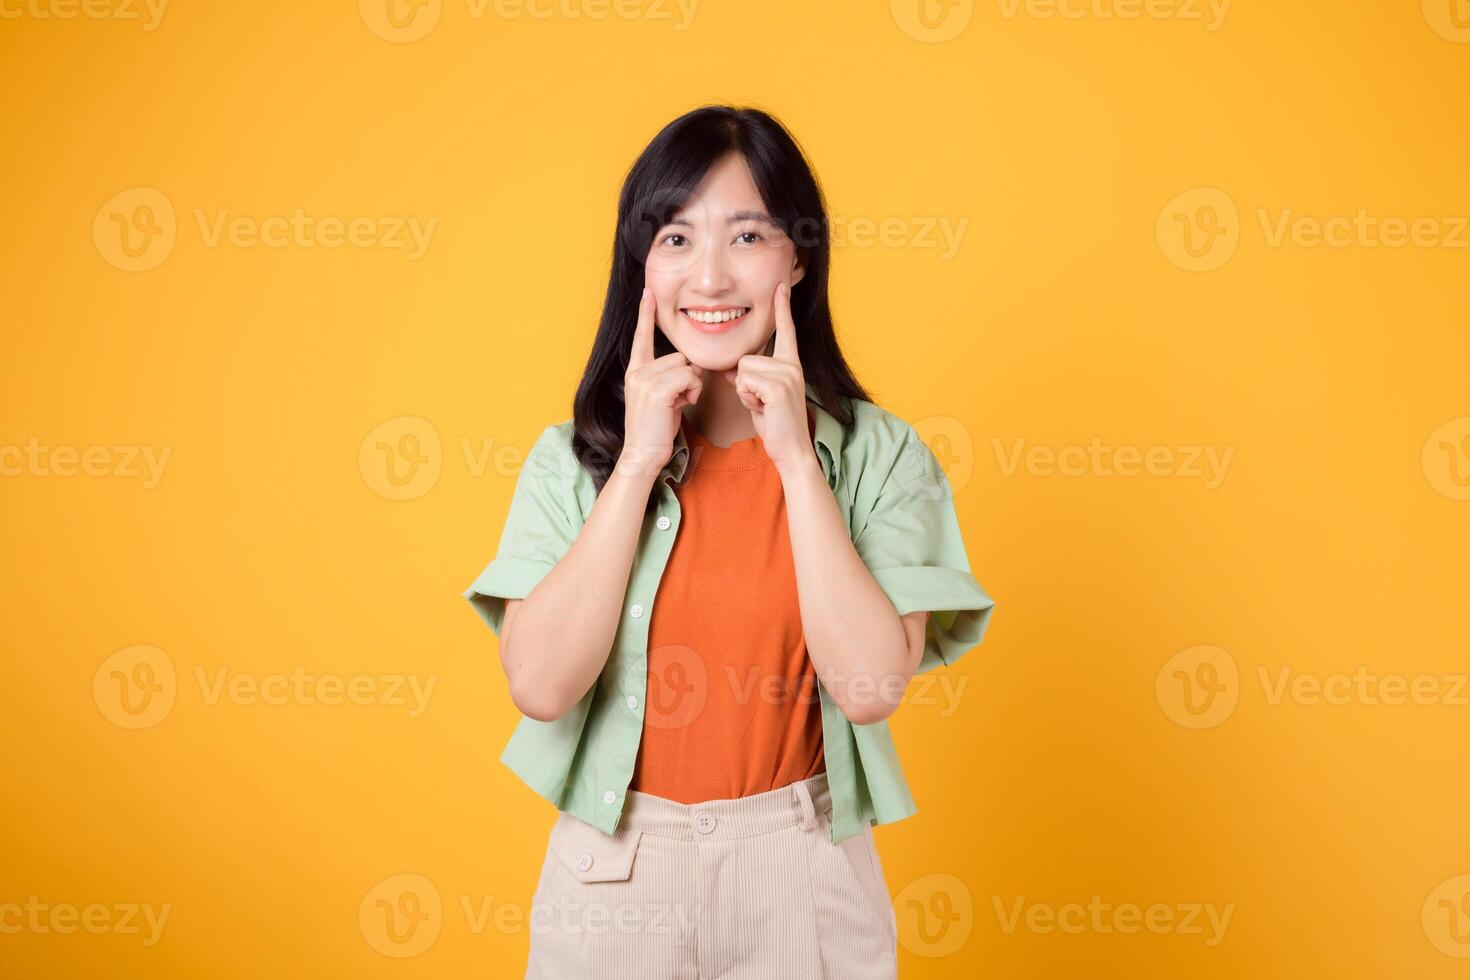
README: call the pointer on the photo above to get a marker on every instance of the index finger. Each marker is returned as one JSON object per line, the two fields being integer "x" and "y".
{"x": 785, "y": 349}
{"x": 642, "y": 351}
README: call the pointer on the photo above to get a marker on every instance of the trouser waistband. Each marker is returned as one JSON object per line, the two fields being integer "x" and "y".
{"x": 795, "y": 804}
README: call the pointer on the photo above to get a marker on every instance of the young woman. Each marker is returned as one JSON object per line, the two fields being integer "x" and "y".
{"x": 713, "y": 586}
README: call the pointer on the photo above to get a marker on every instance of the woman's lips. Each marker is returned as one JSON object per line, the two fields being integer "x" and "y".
{"x": 721, "y": 326}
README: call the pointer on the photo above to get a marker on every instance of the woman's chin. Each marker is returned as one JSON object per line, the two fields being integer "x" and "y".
{"x": 716, "y": 353}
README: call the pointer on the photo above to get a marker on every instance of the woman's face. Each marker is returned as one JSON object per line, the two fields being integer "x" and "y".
{"x": 714, "y": 268}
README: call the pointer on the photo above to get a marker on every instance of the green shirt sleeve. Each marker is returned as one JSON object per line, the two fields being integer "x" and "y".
{"x": 911, "y": 544}
{"x": 543, "y": 521}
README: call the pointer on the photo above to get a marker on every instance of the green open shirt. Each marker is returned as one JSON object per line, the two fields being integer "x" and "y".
{"x": 899, "y": 509}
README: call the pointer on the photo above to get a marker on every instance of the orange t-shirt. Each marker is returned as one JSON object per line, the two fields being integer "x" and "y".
{"x": 732, "y": 706}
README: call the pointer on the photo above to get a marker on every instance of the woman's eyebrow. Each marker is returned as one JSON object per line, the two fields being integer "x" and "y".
{"x": 750, "y": 216}
{"x": 731, "y": 216}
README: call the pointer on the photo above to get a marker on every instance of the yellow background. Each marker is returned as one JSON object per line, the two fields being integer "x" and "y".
{"x": 1335, "y": 541}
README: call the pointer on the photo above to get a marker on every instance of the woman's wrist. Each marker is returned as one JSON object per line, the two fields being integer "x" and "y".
{"x": 640, "y": 465}
{"x": 801, "y": 471}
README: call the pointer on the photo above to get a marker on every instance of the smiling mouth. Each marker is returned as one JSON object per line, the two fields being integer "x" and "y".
{"x": 716, "y": 317}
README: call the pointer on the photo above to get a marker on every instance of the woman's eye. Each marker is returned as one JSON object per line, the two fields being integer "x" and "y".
{"x": 749, "y": 234}
{"x": 681, "y": 238}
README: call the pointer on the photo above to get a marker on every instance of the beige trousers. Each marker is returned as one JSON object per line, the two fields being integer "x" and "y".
{"x": 743, "y": 889}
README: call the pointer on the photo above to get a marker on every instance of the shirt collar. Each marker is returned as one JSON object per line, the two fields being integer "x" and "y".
{"x": 827, "y": 437}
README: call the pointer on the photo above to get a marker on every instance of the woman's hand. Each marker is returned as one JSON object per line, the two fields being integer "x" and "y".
{"x": 774, "y": 389}
{"x": 655, "y": 391}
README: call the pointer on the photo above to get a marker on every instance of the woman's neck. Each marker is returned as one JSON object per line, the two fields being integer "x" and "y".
{"x": 720, "y": 415}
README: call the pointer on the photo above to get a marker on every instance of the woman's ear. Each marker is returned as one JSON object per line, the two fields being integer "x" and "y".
{"x": 798, "y": 269}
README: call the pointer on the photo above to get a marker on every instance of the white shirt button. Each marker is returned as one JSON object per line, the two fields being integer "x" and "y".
{"x": 636, "y": 611}
{"x": 633, "y": 701}
{"x": 609, "y": 797}
{"x": 663, "y": 523}
{"x": 584, "y": 862}
{"x": 704, "y": 821}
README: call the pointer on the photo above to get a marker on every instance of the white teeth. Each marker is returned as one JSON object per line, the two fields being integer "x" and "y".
{"x": 718, "y": 317}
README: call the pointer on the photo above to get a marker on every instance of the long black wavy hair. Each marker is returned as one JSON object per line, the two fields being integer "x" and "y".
{"x": 658, "y": 184}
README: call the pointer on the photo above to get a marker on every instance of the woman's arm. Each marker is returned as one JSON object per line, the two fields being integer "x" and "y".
{"x": 563, "y": 630}
{"x": 864, "y": 652}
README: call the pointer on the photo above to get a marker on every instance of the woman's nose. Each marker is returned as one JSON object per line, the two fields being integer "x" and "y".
{"x": 710, "y": 273}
